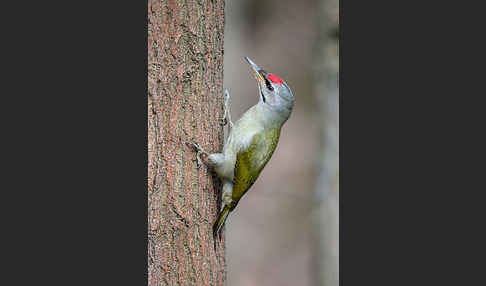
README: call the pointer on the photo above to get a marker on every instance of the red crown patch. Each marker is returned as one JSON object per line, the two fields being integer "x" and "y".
{"x": 275, "y": 79}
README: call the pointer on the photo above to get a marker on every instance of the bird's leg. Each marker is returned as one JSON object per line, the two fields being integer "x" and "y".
{"x": 199, "y": 152}
{"x": 213, "y": 160}
{"x": 227, "y": 113}
{"x": 226, "y": 197}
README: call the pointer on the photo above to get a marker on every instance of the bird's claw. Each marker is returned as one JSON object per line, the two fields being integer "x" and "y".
{"x": 199, "y": 152}
{"x": 227, "y": 115}
{"x": 224, "y": 121}
{"x": 199, "y": 160}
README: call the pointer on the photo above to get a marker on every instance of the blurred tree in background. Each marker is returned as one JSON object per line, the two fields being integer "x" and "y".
{"x": 284, "y": 232}
{"x": 326, "y": 91}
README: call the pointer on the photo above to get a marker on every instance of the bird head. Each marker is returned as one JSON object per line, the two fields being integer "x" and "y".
{"x": 274, "y": 92}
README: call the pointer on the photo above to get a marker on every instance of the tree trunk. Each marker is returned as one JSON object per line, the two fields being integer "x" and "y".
{"x": 326, "y": 91}
{"x": 185, "y": 103}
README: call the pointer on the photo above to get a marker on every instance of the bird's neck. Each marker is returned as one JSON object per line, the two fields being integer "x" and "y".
{"x": 271, "y": 117}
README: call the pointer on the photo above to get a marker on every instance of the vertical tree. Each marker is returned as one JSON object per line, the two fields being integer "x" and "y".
{"x": 185, "y": 103}
{"x": 326, "y": 91}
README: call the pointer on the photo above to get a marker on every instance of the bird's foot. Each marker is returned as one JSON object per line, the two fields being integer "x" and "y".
{"x": 199, "y": 152}
{"x": 227, "y": 115}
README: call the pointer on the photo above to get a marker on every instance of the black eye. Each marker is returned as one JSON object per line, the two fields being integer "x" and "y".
{"x": 268, "y": 84}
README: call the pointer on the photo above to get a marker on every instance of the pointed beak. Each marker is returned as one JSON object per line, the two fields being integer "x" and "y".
{"x": 256, "y": 69}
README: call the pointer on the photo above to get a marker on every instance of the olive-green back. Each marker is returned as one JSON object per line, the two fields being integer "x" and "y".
{"x": 250, "y": 162}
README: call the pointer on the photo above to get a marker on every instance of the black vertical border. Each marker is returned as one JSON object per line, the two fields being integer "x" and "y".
{"x": 411, "y": 147}
{"x": 76, "y": 181}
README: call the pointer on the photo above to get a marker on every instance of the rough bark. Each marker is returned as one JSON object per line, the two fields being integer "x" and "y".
{"x": 185, "y": 103}
{"x": 326, "y": 91}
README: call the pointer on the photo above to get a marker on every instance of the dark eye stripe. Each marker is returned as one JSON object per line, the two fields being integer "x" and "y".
{"x": 267, "y": 82}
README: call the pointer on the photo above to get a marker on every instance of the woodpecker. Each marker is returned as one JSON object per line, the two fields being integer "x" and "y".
{"x": 251, "y": 140}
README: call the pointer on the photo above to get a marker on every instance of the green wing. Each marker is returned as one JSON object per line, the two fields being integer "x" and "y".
{"x": 250, "y": 162}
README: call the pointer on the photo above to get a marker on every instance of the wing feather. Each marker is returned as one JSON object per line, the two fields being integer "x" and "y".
{"x": 251, "y": 161}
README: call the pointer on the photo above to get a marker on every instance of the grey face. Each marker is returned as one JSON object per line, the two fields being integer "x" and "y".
{"x": 275, "y": 92}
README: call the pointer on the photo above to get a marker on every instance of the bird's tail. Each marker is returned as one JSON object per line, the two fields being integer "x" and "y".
{"x": 223, "y": 215}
